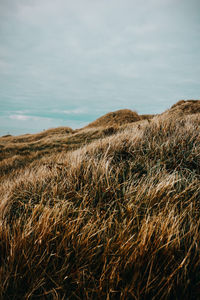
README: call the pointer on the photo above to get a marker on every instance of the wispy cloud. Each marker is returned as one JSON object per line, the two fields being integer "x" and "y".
{"x": 20, "y": 117}
{"x": 77, "y": 111}
{"x": 71, "y": 111}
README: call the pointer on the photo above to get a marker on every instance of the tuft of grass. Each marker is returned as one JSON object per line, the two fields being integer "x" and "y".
{"x": 114, "y": 217}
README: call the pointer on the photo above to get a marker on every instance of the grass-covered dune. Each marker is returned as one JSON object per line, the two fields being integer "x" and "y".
{"x": 104, "y": 212}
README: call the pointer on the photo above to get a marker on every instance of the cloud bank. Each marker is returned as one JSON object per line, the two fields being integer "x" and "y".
{"x": 89, "y": 57}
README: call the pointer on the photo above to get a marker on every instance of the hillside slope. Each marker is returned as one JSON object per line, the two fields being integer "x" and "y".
{"x": 184, "y": 107}
{"x": 119, "y": 117}
{"x": 17, "y": 152}
{"x": 115, "y": 218}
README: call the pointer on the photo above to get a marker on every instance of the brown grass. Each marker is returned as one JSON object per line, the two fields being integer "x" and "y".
{"x": 119, "y": 117}
{"x": 147, "y": 117}
{"x": 184, "y": 107}
{"x": 17, "y": 152}
{"x": 117, "y": 218}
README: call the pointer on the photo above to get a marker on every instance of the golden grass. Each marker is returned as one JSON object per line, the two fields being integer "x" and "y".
{"x": 119, "y": 117}
{"x": 184, "y": 107}
{"x": 117, "y": 218}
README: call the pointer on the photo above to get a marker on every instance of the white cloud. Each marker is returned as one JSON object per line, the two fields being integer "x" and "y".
{"x": 73, "y": 111}
{"x": 77, "y": 111}
{"x": 22, "y": 112}
{"x": 20, "y": 117}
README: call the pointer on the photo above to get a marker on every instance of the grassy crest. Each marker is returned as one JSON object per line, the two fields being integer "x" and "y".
{"x": 103, "y": 213}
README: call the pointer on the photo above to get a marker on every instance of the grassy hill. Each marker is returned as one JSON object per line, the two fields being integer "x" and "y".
{"x": 119, "y": 117}
{"x": 109, "y": 211}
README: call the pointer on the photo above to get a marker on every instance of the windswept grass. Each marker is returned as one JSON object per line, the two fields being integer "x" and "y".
{"x": 117, "y": 218}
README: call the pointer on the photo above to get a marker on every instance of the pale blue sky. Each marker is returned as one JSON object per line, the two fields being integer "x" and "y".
{"x": 65, "y": 63}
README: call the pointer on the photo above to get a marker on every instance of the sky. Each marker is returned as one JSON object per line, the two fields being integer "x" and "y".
{"x": 66, "y": 63}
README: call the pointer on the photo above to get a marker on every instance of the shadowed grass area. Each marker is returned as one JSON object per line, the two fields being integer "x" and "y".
{"x": 115, "y": 218}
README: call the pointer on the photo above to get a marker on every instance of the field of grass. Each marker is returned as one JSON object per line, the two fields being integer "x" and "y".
{"x": 109, "y": 211}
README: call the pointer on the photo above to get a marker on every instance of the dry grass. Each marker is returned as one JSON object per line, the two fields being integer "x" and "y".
{"x": 119, "y": 117}
{"x": 17, "y": 152}
{"x": 117, "y": 218}
{"x": 147, "y": 117}
{"x": 184, "y": 107}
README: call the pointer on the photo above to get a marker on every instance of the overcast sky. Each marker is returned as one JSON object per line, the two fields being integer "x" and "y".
{"x": 65, "y": 63}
